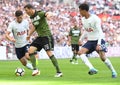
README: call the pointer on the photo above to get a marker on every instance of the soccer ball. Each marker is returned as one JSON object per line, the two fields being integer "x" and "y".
{"x": 19, "y": 71}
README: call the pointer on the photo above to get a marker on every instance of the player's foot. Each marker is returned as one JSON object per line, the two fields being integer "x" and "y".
{"x": 36, "y": 72}
{"x": 114, "y": 75}
{"x": 71, "y": 61}
{"x": 92, "y": 71}
{"x": 76, "y": 62}
{"x": 29, "y": 66}
{"x": 60, "y": 74}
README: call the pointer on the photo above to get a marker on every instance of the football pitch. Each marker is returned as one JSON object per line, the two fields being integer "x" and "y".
{"x": 73, "y": 74}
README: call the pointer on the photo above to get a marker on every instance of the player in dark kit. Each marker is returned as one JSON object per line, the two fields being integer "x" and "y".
{"x": 44, "y": 39}
{"x": 73, "y": 37}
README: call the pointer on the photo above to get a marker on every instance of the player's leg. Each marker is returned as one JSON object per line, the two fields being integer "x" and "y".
{"x": 108, "y": 63}
{"x": 24, "y": 62}
{"x": 73, "y": 57}
{"x": 48, "y": 45}
{"x": 27, "y": 56}
{"x": 74, "y": 54}
{"x": 32, "y": 53}
{"x": 20, "y": 52}
{"x": 28, "y": 64}
{"x": 77, "y": 49}
{"x": 25, "y": 49}
{"x": 82, "y": 52}
{"x": 105, "y": 59}
{"x": 37, "y": 57}
{"x": 55, "y": 63}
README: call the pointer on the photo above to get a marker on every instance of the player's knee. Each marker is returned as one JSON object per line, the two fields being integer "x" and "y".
{"x": 75, "y": 52}
{"x": 23, "y": 62}
{"x": 32, "y": 54}
{"x": 80, "y": 52}
{"x": 49, "y": 53}
{"x": 103, "y": 58}
{"x": 31, "y": 50}
{"x": 27, "y": 56}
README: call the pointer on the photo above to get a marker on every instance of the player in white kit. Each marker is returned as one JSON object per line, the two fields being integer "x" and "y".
{"x": 96, "y": 42}
{"x": 19, "y": 28}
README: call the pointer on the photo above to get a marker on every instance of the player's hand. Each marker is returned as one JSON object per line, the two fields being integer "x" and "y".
{"x": 80, "y": 43}
{"x": 68, "y": 43}
{"x": 48, "y": 15}
{"x": 13, "y": 40}
{"x": 28, "y": 37}
{"x": 98, "y": 47}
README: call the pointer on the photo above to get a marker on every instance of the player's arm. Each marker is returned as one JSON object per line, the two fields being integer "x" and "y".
{"x": 69, "y": 40}
{"x": 98, "y": 25}
{"x": 48, "y": 15}
{"x": 69, "y": 37}
{"x": 8, "y": 32}
{"x": 79, "y": 42}
{"x": 30, "y": 32}
{"x": 82, "y": 37}
{"x": 10, "y": 38}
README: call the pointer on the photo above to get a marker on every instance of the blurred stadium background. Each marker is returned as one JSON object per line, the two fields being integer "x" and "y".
{"x": 66, "y": 14}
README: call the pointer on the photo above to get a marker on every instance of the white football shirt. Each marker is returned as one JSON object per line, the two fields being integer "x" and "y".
{"x": 19, "y": 31}
{"x": 92, "y": 27}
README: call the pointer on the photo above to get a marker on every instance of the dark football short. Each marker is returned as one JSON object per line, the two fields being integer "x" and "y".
{"x": 75, "y": 47}
{"x": 91, "y": 46}
{"x": 20, "y": 52}
{"x": 47, "y": 43}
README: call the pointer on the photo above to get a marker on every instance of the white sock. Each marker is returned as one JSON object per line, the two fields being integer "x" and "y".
{"x": 86, "y": 61}
{"x": 29, "y": 66}
{"x": 109, "y": 65}
{"x": 77, "y": 56}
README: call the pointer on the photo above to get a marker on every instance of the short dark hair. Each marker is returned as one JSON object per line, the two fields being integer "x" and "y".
{"x": 29, "y": 6}
{"x": 18, "y": 13}
{"x": 84, "y": 6}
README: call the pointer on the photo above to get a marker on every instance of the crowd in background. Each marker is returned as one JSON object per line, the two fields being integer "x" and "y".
{"x": 64, "y": 17}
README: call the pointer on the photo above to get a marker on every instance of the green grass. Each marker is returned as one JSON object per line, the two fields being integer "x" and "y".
{"x": 73, "y": 74}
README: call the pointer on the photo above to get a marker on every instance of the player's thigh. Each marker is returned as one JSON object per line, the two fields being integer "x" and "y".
{"x": 83, "y": 51}
{"x": 73, "y": 48}
{"x": 48, "y": 43}
{"x": 49, "y": 53}
{"x": 27, "y": 56}
{"x": 32, "y": 49}
{"x": 20, "y": 52}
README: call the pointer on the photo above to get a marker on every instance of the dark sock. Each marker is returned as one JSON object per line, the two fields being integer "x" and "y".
{"x": 55, "y": 63}
{"x": 33, "y": 61}
{"x": 74, "y": 56}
